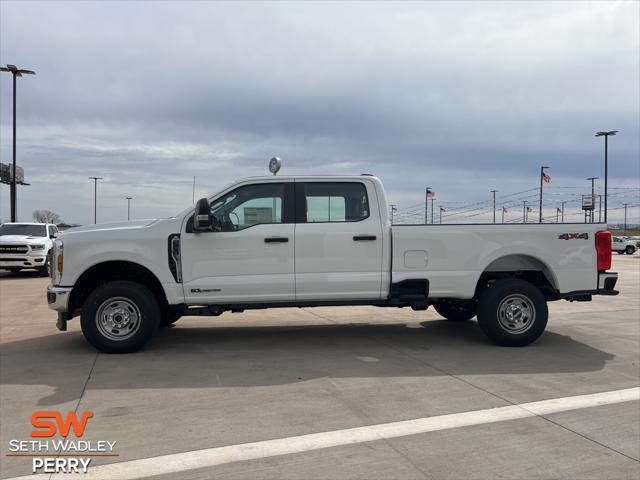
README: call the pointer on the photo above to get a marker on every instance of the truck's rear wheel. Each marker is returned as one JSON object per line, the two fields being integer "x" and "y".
{"x": 120, "y": 317}
{"x": 630, "y": 250}
{"x": 512, "y": 312}
{"x": 456, "y": 310}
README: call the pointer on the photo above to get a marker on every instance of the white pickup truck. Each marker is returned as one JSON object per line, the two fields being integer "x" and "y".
{"x": 26, "y": 245}
{"x": 314, "y": 241}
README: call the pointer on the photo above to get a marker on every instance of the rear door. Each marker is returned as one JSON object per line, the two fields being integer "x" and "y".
{"x": 248, "y": 254}
{"x": 338, "y": 241}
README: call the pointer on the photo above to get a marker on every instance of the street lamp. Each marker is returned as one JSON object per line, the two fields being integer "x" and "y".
{"x": 593, "y": 195}
{"x": 95, "y": 197}
{"x": 606, "y": 164}
{"x": 494, "y": 205}
{"x": 129, "y": 207}
{"x": 16, "y": 72}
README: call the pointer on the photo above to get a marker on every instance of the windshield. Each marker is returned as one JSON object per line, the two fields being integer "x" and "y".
{"x": 29, "y": 230}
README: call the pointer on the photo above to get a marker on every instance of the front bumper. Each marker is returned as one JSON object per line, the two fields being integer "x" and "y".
{"x": 22, "y": 261}
{"x": 58, "y": 300}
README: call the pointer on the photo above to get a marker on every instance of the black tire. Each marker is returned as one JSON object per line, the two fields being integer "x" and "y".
{"x": 137, "y": 308}
{"x": 44, "y": 271}
{"x": 456, "y": 310}
{"x": 520, "y": 299}
{"x": 630, "y": 250}
{"x": 169, "y": 317}
{"x": 621, "y": 252}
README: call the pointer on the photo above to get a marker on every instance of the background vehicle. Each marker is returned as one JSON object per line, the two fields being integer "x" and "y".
{"x": 26, "y": 245}
{"x": 623, "y": 246}
{"x": 312, "y": 241}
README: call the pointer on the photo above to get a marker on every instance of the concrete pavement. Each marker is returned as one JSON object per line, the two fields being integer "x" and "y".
{"x": 238, "y": 378}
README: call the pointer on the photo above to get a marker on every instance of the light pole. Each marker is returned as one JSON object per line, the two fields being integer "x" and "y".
{"x": 593, "y": 195}
{"x": 129, "y": 207}
{"x": 547, "y": 179}
{"x": 606, "y": 164}
{"x": 562, "y": 213}
{"x": 524, "y": 212}
{"x": 494, "y": 205}
{"x": 503, "y": 210}
{"x": 95, "y": 197}
{"x": 16, "y": 72}
{"x": 625, "y": 218}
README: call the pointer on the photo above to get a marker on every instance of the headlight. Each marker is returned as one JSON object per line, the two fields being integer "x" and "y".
{"x": 37, "y": 247}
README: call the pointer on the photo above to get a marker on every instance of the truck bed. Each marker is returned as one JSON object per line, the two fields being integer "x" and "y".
{"x": 452, "y": 257}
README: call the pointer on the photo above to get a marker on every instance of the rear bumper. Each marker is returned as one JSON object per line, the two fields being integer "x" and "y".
{"x": 607, "y": 282}
{"x": 606, "y": 286}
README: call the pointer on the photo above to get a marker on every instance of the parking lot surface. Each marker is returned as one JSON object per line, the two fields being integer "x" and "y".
{"x": 261, "y": 376}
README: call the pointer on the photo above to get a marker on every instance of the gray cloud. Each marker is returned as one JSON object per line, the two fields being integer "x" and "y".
{"x": 462, "y": 96}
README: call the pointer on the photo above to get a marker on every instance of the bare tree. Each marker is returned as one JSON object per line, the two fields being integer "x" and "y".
{"x": 46, "y": 216}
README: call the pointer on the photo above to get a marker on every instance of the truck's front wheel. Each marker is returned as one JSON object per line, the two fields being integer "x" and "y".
{"x": 120, "y": 317}
{"x": 512, "y": 312}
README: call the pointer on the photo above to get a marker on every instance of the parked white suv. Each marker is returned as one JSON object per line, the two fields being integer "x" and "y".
{"x": 622, "y": 246}
{"x": 26, "y": 245}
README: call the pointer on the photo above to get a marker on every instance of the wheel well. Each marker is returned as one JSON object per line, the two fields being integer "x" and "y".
{"x": 522, "y": 267}
{"x": 109, "y": 271}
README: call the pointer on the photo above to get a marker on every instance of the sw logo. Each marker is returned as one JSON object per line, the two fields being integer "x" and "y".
{"x": 49, "y": 422}
{"x": 573, "y": 236}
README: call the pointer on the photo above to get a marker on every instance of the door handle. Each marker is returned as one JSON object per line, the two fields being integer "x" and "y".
{"x": 276, "y": 240}
{"x": 363, "y": 238}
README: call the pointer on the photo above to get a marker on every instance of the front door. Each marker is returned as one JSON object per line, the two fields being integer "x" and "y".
{"x": 338, "y": 241}
{"x": 248, "y": 255}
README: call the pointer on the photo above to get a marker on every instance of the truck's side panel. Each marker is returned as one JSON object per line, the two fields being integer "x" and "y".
{"x": 143, "y": 242}
{"x": 452, "y": 257}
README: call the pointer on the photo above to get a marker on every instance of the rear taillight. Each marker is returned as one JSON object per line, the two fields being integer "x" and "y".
{"x": 603, "y": 250}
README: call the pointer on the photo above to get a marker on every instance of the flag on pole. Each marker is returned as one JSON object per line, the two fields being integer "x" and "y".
{"x": 529, "y": 209}
{"x": 431, "y": 194}
{"x": 559, "y": 210}
{"x": 393, "y": 208}
{"x": 442, "y": 209}
{"x": 504, "y": 210}
{"x": 546, "y": 177}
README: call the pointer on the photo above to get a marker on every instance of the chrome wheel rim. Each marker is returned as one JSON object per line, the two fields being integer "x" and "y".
{"x": 516, "y": 314}
{"x": 118, "y": 318}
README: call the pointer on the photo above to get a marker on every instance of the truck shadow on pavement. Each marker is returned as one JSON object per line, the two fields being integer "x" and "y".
{"x": 210, "y": 357}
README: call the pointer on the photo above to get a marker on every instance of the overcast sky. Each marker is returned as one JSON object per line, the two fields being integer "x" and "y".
{"x": 463, "y": 97}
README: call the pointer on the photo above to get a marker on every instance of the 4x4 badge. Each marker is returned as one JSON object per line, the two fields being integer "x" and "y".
{"x": 574, "y": 236}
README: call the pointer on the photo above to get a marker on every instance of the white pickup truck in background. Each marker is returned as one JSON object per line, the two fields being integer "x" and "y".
{"x": 314, "y": 241}
{"x": 623, "y": 245}
{"x": 26, "y": 245}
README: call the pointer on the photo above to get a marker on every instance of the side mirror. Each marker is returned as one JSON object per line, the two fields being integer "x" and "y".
{"x": 201, "y": 218}
{"x": 54, "y": 236}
